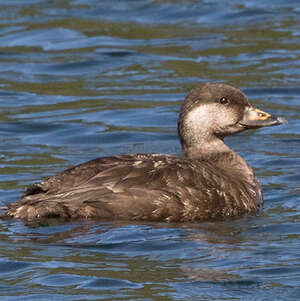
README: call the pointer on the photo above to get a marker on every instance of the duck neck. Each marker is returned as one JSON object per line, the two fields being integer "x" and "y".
{"x": 217, "y": 151}
{"x": 210, "y": 148}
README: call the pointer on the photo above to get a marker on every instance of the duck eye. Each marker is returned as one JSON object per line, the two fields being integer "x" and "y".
{"x": 224, "y": 101}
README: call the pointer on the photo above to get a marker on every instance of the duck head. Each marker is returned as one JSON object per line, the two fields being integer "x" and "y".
{"x": 213, "y": 111}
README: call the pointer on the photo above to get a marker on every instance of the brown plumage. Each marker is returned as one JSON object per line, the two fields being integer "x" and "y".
{"x": 210, "y": 182}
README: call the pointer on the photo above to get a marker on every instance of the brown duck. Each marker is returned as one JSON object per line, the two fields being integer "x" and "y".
{"x": 209, "y": 182}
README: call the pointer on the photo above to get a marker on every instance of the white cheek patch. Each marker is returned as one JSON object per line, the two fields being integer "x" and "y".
{"x": 210, "y": 117}
{"x": 202, "y": 115}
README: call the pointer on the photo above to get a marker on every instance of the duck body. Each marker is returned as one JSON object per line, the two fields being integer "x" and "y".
{"x": 211, "y": 182}
{"x": 143, "y": 187}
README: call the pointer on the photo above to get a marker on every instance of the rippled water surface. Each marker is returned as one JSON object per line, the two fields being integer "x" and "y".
{"x": 81, "y": 79}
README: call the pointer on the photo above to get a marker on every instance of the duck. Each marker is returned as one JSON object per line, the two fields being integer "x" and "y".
{"x": 207, "y": 182}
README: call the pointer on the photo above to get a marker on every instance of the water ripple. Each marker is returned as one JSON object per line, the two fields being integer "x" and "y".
{"x": 85, "y": 78}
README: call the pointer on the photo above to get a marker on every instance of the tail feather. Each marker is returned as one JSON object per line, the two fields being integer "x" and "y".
{"x": 39, "y": 210}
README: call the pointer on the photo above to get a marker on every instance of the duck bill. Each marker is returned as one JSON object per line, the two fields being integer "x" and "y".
{"x": 255, "y": 118}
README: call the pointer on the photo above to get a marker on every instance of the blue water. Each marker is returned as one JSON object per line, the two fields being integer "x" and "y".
{"x": 82, "y": 79}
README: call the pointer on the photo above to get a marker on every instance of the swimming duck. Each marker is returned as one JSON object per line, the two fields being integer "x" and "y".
{"x": 210, "y": 182}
